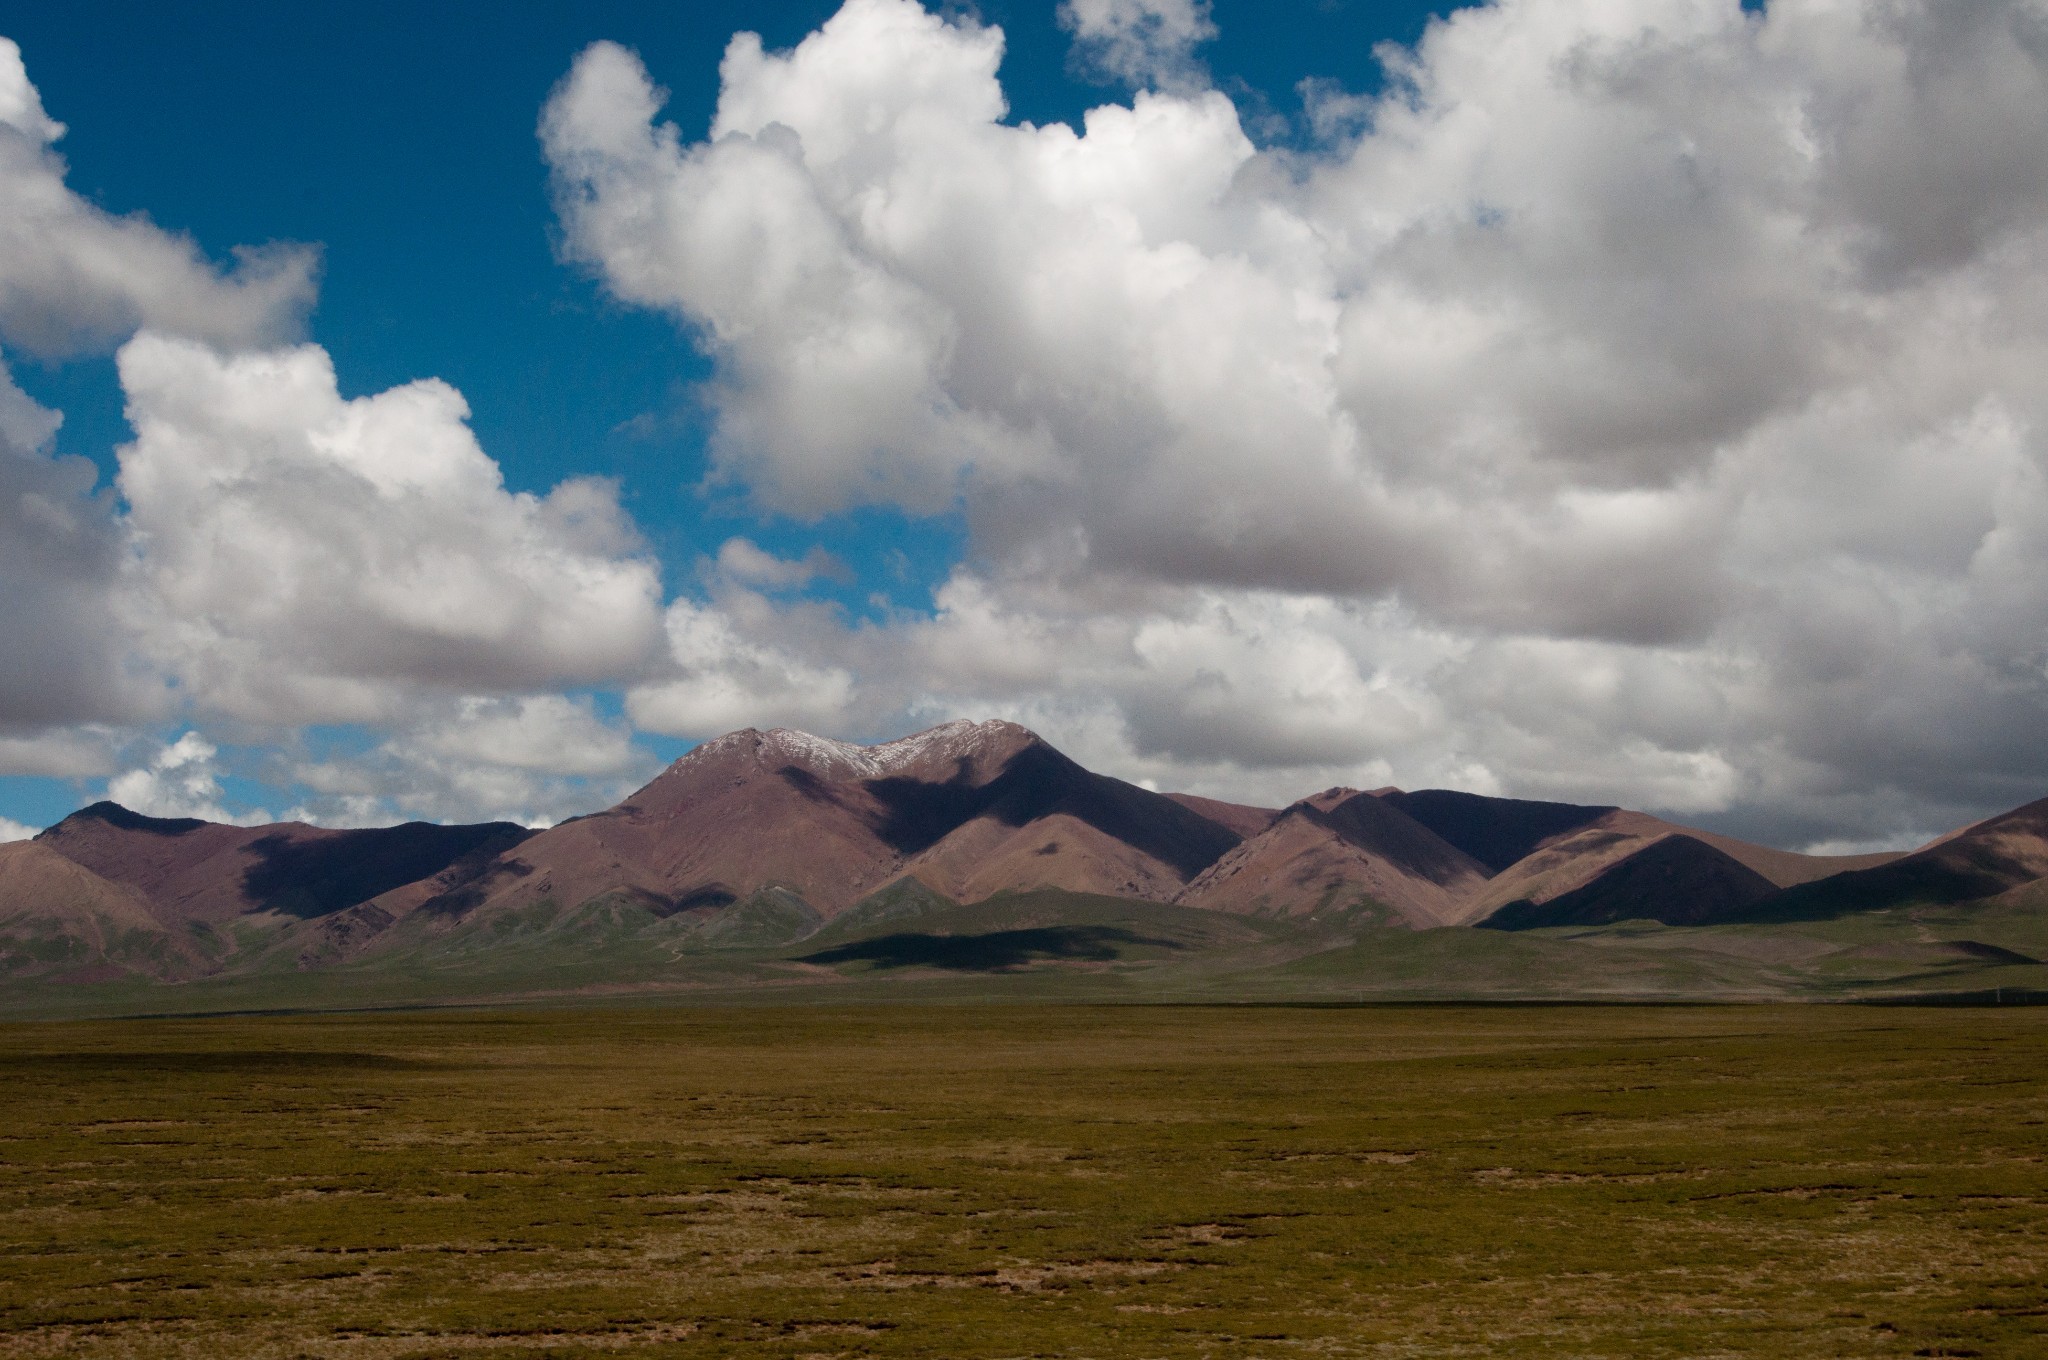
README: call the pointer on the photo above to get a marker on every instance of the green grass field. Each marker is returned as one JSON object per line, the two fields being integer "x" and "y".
{"x": 1030, "y": 1181}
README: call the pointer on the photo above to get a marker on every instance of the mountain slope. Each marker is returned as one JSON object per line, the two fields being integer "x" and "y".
{"x": 1676, "y": 879}
{"x": 57, "y": 917}
{"x": 969, "y": 808}
{"x": 192, "y": 871}
{"x": 1496, "y": 832}
{"x": 1568, "y": 862}
{"x": 1986, "y": 860}
{"x": 1336, "y": 850}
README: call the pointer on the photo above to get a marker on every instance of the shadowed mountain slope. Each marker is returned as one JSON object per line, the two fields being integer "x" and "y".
{"x": 1677, "y": 879}
{"x": 1341, "y": 849}
{"x": 1494, "y": 831}
{"x": 1988, "y": 859}
{"x": 188, "y": 870}
{"x": 1570, "y": 861}
{"x": 969, "y": 808}
{"x": 1532, "y": 845}
{"x": 759, "y": 842}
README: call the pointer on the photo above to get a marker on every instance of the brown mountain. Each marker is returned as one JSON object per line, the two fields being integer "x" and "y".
{"x": 1677, "y": 879}
{"x": 1573, "y": 858}
{"x": 1984, "y": 860}
{"x": 60, "y": 917}
{"x": 796, "y": 828}
{"x": 967, "y": 808}
{"x": 1338, "y": 849}
{"x": 1497, "y": 832}
{"x": 1245, "y": 820}
{"x": 186, "y": 870}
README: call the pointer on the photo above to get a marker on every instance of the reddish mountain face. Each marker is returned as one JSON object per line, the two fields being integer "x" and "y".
{"x": 60, "y": 918}
{"x": 1245, "y": 820}
{"x": 1677, "y": 879}
{"x": 1585, "y": 850}
{"x": 188, "y": 870}
{"x": 970, "y": 808}
{"x": 1335, "y": 850}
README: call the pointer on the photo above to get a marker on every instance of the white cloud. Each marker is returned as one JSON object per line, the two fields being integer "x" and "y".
{"x": 548, "y": 732}
{"x": 1147, "y": 43}
{"x": 301, "y": 558}
{"x": 75, "y": 277}
{"x": 60, "y": 561}
{"x": 181, "y": 780}
{"x": 11, "y": 830}
{"x": 279, "y": 556}
{"x": 533, "y": 759}
{"x": 745, "y": 563}
{"x": 724, "y": 679}
{"x": 1649, "y": 401}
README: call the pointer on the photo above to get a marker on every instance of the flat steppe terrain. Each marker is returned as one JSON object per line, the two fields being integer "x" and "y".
{"x": 1030, "y": 1181}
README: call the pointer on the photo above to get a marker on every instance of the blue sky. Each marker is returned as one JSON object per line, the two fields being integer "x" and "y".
{"x": 1568, "y": 291}
{"x": 400, "y": 140}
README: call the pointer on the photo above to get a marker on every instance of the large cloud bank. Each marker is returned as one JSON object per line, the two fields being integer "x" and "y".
{"x": 1642, "y": 399}
{"x": 278, "y": 556}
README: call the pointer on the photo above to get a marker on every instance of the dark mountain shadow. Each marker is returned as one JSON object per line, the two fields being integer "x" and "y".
{"x": 1677, "y": 880}
{"x": 1494, "y": 831}
{"x": 1040, "y": 782}
{"x": 1924, "y": 882}
{"x": 810, "y": 786}
{"x": 995, "y": 952}
{"x": 315, "y": 877}
{"x": 1373, "y": 825}
{"x": 1974, "y": 865}
{"x": 1937, "y": 882}
{"x": 918, "y": 814}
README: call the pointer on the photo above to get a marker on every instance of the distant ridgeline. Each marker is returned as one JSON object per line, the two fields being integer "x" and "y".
{"x": 791, "y": 850}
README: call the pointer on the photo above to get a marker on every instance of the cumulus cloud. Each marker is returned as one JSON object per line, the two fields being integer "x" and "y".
{"x": 60, "y": 564}
{"x": 1644, "y": 400}
{"x": 11, "y": 830}
{"x": 272, "y": 555}
{"x": 182, "y": 779}
{"x": 1146, "y": 43}
{"x": 74, "y": 277}
{"x": 746, "y": 563}
{"x": 531, "y": 759}
{"x": 302, "y": 558}
{"x": 725, "y": 674}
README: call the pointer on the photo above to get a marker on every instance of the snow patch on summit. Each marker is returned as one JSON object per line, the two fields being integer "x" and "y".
{"x": 820, "y": 755}
{"x": 956, "y": 740}
{"x": 948, "y": 742}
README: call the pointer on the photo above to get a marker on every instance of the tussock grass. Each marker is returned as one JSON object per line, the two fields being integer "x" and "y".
{"x": 1030, "y": 1181}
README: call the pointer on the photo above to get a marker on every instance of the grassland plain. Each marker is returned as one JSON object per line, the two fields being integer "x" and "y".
{"x": 1030, "y": 1181}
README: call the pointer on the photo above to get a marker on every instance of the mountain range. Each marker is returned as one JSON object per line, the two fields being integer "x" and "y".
{"x": 773, "y": 842}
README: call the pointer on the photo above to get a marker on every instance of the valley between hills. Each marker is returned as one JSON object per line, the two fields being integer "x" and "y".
{"x": 975, "y": 861}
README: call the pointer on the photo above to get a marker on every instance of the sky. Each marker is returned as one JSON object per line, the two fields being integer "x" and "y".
{"x": 457, "y": 413}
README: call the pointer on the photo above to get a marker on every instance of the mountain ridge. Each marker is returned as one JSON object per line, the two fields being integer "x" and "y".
{"x": 759, "y": 835}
